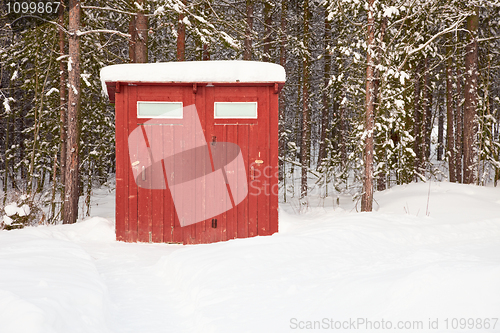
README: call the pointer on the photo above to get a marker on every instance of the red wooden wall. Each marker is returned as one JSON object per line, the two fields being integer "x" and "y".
{"x": 149, "y": 215}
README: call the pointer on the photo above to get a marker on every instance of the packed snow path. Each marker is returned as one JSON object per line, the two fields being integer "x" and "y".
{"x": 411, "y": 263}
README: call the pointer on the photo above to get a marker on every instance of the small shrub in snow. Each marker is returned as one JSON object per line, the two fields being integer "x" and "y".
{"x": 21, "y": 211}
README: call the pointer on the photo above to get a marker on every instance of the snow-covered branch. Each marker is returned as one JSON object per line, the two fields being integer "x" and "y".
{"x": 119, "y": 33}
{"x": 113, "y": 10}
{"x": 78, "y": 33}
{"x": 317, "y": 175}
{"x": 424, "y": 45}
{"x": 42, "y": 19}
{"x": 487, "y": 39}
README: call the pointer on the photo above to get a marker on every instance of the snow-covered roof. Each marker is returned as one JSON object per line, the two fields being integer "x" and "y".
{"x": 195, "y": 71}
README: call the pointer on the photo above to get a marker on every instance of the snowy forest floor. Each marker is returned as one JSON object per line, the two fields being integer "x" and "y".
{"x": 425, "y": 261}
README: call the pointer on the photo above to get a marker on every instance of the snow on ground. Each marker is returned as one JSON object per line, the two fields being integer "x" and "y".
{"x": 428, "y": 257}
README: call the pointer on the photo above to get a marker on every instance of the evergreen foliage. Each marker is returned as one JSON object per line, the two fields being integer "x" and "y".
{"x": 414, "y": 43}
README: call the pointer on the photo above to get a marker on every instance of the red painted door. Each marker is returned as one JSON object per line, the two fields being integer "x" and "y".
{"x": 251, "y": 216}
{"x": 157, "y": 219}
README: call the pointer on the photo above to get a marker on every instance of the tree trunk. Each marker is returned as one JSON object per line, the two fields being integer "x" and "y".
{"x": 247, "y": 51}
{"x": 470, "y": 107}
{"x": 131, "y": 43}
{"x": 205, "y": 53}
{"x": 440, "y": 128}
{"x": 72, "y": 182}
{"x": 282, "y": 94}
{"x": 62, "y": 97}
{"x": 306, "y": 129}
{"x": 367, "y": 198}
{"x": 141, "y": 38}
{"x": 381, "y": 177}
{"x": 343, "y": 135}
{"x": 7, "y": 146}
{"x": 268, "y": 21}
{"x": 426, "y": 128}
{"x": 54, "y": 188}
{"x": 181, "y": 38}
{"x": 417, "y": 125}
{"x": 450, "y": 135}
{"x": 326, "y": 92}
{"x": 458, "y": 128}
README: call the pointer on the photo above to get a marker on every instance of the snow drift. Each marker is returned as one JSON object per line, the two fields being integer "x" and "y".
{"x": 428, "y": 256}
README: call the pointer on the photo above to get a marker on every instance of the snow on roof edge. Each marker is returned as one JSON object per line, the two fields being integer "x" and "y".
{"x": 194, "y": 71}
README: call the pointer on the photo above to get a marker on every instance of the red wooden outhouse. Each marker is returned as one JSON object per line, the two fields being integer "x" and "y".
{"x": 196, "y": 150}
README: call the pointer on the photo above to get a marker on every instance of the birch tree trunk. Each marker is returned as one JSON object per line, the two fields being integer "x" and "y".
{"x": 470, "y": 106}
{"x": 367, "y": 198}
{"x": 72, "y": 181}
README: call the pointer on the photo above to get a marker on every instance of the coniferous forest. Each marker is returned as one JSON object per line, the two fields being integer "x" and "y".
{"x": 378, "y": 93}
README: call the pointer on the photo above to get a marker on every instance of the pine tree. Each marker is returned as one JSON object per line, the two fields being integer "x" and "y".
{"x": 471, "y": 101}
{"x": 367, "y": 198}
{"x": 71, "y": 187}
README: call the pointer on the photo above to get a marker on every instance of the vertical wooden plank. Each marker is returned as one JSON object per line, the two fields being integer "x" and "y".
{"x": 240, "y": 212}
{"x": 158, "y": 195}
{"x": 263, "y": 155}
{"x": 209, "y": 132}
{"x": 189, "y": 99}
{"x": 168, "y": 213}
{"x": 132, "y": 186}
{"x": 199, "y": 101}
{"x": 144, "y": 196}
{"x": 274, "y": 139}
{"x": 180, "y": 133}
{"x": 207, "y": 124}
{"x": 180, "y": 233}
{"x": 188, "y": 137}
{"x": 231, "y": 215}
{"x": 216, "y": 131}
{"x": 247, "y": 220}
{"x": 254, "y": 180}
{"x": 172, "y": 229}
{"x": 121, "y": 216}
{"x": 221, "y": 231}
